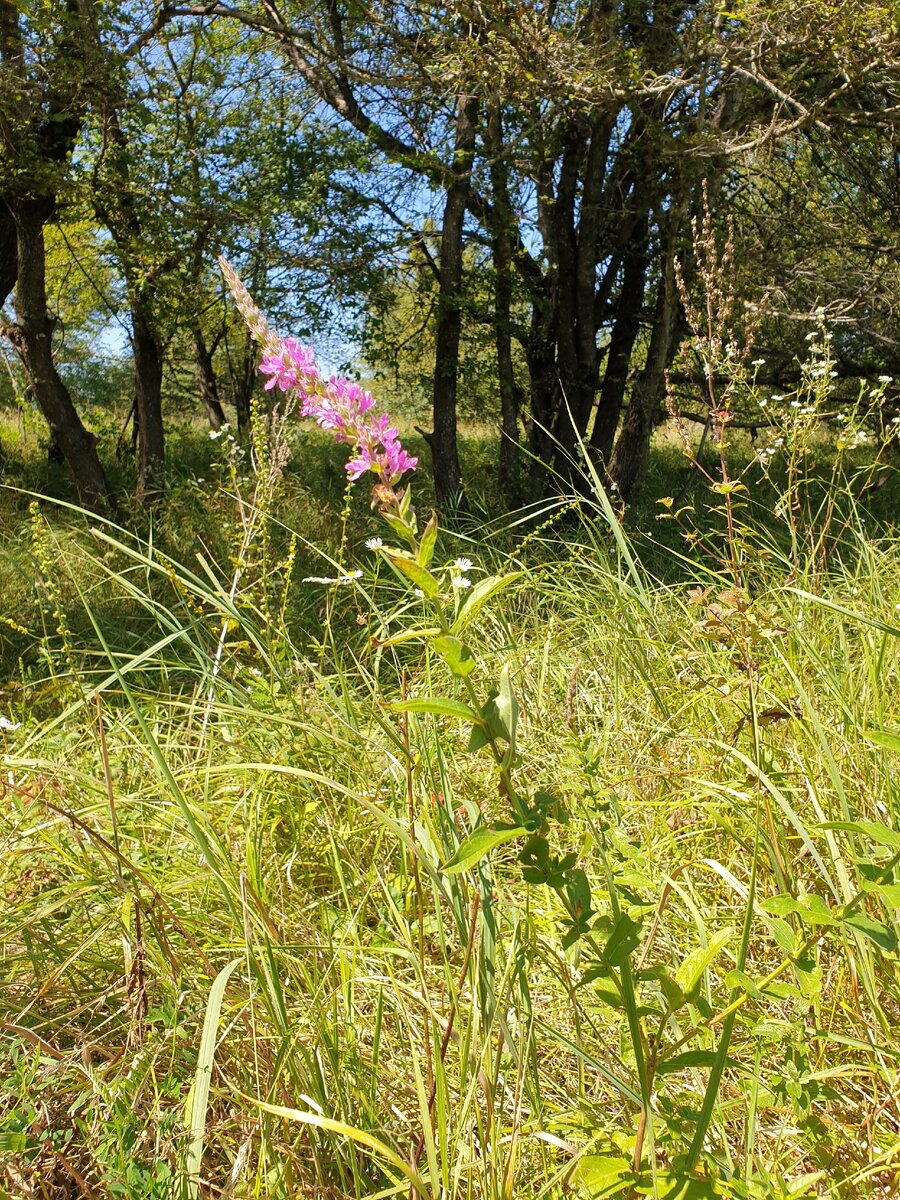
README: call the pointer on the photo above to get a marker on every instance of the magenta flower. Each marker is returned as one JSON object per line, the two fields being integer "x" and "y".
{"x": 340, "y": 405}
{"x": 292, "y": 368}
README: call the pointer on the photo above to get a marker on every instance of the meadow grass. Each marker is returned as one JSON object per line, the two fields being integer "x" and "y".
{"x": 233, "y": 962}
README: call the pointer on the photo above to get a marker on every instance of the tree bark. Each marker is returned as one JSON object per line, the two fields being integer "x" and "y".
{"x": 621, "y": 345}
{"x": 243, "y": 378}
{"x": 32, "y": 338}
{"x": 630, "y": 458}
{"x": 207, "y": 382}
{"x": 443, "y": 440}
{"x": 502, "y": 250}
{"x": 148, "y": 373}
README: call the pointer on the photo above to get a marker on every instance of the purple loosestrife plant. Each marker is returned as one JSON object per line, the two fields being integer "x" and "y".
{"x": 338, "y": 405}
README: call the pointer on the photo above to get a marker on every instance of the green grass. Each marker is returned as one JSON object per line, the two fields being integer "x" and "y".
{"x": 230, "y": 959}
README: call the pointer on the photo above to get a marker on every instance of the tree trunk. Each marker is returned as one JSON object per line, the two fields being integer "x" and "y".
{"x": 243, "y": 378}
{"x": 443, "y": 441}
{"x": 544, "y": 388}
{"x": 32, "y": 337}
{"x": 630, "y": 458}
{"x": 502, "y": 255}
{"x": 565, "y": 237}
{"x": 621, "y": 345}
{"x": 207, "y": 382}
{"x": 148, "y": 372}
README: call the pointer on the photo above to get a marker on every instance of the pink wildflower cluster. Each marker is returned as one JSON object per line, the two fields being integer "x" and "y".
{"x": 338, "y": 405}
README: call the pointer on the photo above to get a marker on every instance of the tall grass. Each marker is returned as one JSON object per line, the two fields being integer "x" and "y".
{"x": 233, "y": 962}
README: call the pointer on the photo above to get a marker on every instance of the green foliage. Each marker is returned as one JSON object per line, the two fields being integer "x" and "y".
{"x": 567, "y": 882}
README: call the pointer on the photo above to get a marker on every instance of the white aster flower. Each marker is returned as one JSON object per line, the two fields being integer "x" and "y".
{"x": 374, "y": 544}
{"x": 7, "y": 724}
{"x": 460, "y": 581}
{"x": 463, "y": 564}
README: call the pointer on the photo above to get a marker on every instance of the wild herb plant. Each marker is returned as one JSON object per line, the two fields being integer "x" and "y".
{"x": 671, "y": 1020}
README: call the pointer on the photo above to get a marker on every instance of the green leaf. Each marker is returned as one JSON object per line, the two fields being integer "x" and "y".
{"x": 623, "y": 940}
{"x": 690, "y": 1058}
{"x": 743, "y": 981}
{"x": 507, "y": 706}
{"x": 408, "y": 635}
{"x": 441, "y": 706}
{"x": 405, "y": 564}
{"x": 812, "y": 909}
{"x": 12, "y": 1143}
{"x": 690, "y": 972}
{"x": 889, "y": 892}
{"x": 199, "y": 1097}
{"x": 880, "y": 934}
{"x": 477, "y": 845}
{"x": 873, "y": 830}
{"x": 428, "y": 541}
{"x": 888, "y": 739}
{"x": 499, "y": 716}
{"x": 458, "y": 657}
{"x": 601, "y": 1177}
{"x": 479, "y": 596}
{"x": 784, "y": 936}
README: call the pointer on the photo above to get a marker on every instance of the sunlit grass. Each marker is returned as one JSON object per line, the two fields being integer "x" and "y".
{"x": 173, "y": 816}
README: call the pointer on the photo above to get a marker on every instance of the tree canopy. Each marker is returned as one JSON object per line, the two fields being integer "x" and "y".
{"x": 493, "y": 202}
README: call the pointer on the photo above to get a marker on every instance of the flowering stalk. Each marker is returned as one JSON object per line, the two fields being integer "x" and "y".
{"x": 338, "y": 405}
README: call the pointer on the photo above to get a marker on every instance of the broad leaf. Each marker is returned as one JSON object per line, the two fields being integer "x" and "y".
{"x": 690, "y": 972}
{"x": 406, "y": 565}
{"x": 458, "y": 657}
{"x": 888, "y": 739}
{"x": 479, "y": 596}
{"x": 428, "y": 541}
{"x": 880, "y": 934}
{"x": 476, "y": 846}
{"x": 441, "y": 706}
{"x": 873, "y": 830}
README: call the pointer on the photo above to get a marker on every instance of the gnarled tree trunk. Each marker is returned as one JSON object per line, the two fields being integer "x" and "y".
{"x": 32, "y": 338}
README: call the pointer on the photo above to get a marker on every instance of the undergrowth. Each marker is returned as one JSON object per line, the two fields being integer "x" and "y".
{"x": 542, "y": 862}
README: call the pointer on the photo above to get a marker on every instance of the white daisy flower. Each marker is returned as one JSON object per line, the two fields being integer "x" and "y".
{"x": 463, "y": 564}
{"x": 374, "y": 544}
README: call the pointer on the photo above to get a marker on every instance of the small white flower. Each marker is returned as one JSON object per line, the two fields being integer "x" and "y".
{"x": 795, "y": 404}
{"x": 763, "y": 402}
{"x": 811, "y": 337}
{"x": 418, "y": 592}
{"x": 460, "y": 581}
{"x": 463, "y": 564}
{"x": 374, "y": 544}
{"x": 885, "y": 379}
{"x": 758, "y": 362}
{"x": 7, "y": 724}
{"x": 776, "y": 397}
